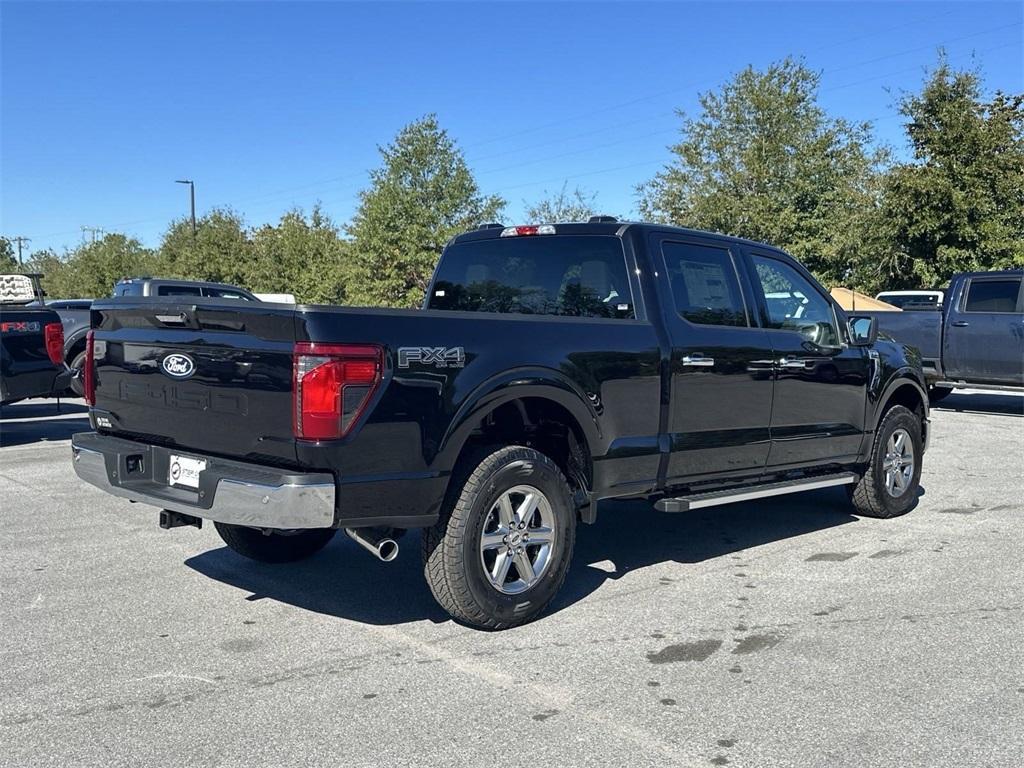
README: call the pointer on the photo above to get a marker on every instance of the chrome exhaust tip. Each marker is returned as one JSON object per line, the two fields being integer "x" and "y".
{"x": 373, "y": 541}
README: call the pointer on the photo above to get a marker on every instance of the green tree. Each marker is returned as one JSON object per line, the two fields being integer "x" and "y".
{"x": 8, "y": 262}
{"x": 959, "y": 204}
{"x": 565, "y": 206}
{"x": 57, "y": 280}
{"x": 92, "y": 269}
{"x": 220, "y": 250}
{"x": 422, "y": 195}
{"x": 764, "y": 161}
{"x": 301, "y": 255}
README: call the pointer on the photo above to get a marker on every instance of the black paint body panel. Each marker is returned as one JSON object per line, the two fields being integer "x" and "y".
{"x": 25, "y": 367}
{"x": 649, "y": 424}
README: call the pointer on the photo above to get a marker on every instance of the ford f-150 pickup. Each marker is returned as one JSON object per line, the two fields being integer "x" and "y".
{"x": 552, "y": 368}
{"x": 31, "y": 343}
{"x": 973, "y": 339}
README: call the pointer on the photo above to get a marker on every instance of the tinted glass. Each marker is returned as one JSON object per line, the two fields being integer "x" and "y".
{"x": 910, "y": 301}
{"x": 992, "y": 296}
{"x": 128, "y": 289}
{"x": 704, "y": 284}
{"x": 794, "y": 304}
{"x": 582, "y": 276}
{"x": 226, "y": 293}
{"x": 178, "y": 290}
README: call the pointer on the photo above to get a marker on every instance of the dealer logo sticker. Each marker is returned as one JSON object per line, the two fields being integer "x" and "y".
{"x": 178, "y": 366}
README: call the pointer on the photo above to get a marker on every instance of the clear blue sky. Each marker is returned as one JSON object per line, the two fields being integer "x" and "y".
{"x": 272, "y": 105}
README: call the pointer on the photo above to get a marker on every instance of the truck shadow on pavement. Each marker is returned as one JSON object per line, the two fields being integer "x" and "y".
{"x": 346, "y": 582}
{"x": 1008, "y": 404}
{"x": 37, "y": 421}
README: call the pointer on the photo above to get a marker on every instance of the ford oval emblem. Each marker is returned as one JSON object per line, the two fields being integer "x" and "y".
{"x": 178, "y": 366}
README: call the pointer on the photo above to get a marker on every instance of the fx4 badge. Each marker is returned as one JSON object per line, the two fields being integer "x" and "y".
{"x": 439, "y": 357}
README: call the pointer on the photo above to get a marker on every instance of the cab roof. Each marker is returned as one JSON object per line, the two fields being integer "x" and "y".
{"x": 605, "y": 225}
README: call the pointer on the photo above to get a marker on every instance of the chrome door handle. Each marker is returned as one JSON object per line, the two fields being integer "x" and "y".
{"x": 698, "y": 360}
{"x": 792, "y": 362}
{"x": 960, "y": 323}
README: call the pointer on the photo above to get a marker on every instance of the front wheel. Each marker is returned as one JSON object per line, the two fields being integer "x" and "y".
{"x": 501, "y": 550}
{"x": 274, "y": 546}
{"x": 889, "y": 485}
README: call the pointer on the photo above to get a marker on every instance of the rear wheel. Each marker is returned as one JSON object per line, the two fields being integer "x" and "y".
{"x": 274, "y": 546}
{"x": 889, "y": 486}
{"x": 501, "y": 550}
{"x": 76, "y": 365}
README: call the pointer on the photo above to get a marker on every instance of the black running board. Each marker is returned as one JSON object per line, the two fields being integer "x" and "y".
{"x": 748, "y": 492}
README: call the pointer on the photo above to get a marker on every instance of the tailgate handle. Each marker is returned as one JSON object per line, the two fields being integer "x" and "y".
{"x": 179, "y": 319}
{"x": 186, "y": 319}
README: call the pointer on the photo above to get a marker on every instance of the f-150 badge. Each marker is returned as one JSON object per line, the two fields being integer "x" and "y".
{"x": 439, "y": 357}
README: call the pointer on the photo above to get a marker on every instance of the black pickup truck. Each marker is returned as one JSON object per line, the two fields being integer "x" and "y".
{"x": 31, "y": 343}
{"x": 551, "y": 369}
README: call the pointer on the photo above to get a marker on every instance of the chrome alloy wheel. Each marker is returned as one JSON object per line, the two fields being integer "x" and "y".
{"x": 517, "y": 540}
{"x": 898, "y": 464}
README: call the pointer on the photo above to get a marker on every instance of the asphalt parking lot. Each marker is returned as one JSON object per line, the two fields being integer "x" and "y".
{"x": 783, "y": 632}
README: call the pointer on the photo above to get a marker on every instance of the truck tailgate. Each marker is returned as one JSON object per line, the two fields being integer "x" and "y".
{"x": 194, "y": 376}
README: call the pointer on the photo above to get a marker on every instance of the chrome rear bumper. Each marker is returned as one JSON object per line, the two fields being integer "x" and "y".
{"x": 230, "y": 492}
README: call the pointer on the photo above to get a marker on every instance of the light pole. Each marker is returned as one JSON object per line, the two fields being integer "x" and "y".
{"x": 192, "y": 196}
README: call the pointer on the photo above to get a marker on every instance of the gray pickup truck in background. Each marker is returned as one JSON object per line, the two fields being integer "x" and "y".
{"x": 975, "y": 339}
{"x": 74, "y": 313}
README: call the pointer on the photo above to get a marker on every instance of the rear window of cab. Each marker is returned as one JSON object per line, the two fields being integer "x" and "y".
{"x": 570, "y": 275}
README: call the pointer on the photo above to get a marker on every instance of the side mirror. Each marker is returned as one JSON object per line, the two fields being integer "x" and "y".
{"x": 863, "y": 330}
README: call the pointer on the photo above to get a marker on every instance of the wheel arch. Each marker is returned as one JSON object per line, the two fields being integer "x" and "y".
{"x": 536, "y": 407}
{"x": 904, "y": 389}
{"x": 74, "y": 344}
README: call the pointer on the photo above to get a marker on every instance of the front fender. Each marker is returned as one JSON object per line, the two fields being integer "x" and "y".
{"x": 535, "y": 382}
{"x": 900, "y": 378}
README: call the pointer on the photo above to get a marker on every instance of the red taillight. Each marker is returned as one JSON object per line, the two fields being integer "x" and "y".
{"x": 332, "y": 385}
{"x": 54, "y": 335}
{"x": 89, "y": 370}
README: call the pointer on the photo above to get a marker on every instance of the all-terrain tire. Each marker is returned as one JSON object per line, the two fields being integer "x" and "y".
{"x": 452, "y": 560}
{"x": 284, "y": 547}
{"x": 869, "y": 496}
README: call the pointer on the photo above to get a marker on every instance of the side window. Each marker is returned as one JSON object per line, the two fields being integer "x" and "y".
{"x": 704, "y": 284}
{"x": 794, "y": 304}
{"x": 226, "y": 293}
{"x": 178, "y": 290}
{"x": 992, "y": 296}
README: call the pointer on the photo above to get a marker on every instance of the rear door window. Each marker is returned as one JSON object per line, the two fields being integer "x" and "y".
{"x": 992, "y": 296}
{"x": 178, "y": 290}
{"x": 574, "y": 275}
{"x": 704, "y": 284}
